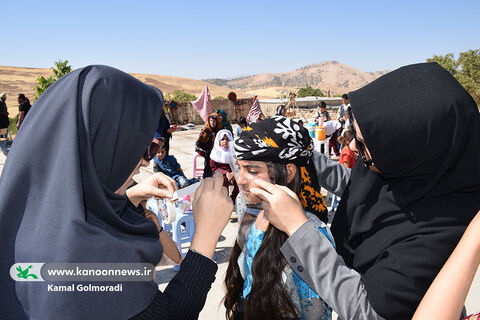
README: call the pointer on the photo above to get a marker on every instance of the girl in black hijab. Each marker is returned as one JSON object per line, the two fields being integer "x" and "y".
{"x": 58, "y": 203}
{"x": 412, "y": 192}
{"x": 281, "y": 110}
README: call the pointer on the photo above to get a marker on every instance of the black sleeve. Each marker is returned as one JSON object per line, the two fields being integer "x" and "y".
{"x": 186, "y": 293}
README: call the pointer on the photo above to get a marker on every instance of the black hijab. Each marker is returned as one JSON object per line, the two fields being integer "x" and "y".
{"x": 279, "y": 110}
{"x": 398, "y": 228}
{"x": 77, "y": 146}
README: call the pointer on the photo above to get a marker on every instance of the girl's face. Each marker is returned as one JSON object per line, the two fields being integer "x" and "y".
{"x": 161, "y": 154}
{"x": 250, "y": 170}
{"x": 224, "y": 142}
{"x": 212, "y": 122}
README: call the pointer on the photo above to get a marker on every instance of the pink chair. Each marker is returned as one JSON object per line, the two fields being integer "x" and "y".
{"x": 197, "y": 170}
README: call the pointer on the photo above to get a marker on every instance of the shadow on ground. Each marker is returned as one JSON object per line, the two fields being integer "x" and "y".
{"x": 4, "y": 148}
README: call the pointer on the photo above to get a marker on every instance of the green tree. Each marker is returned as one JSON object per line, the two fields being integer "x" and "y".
{"x": 466, "y": 69}
{"x": 447, "y": 61}
{"x": 180, "y": 96}
{"x": 309, "y": 92}
{"x": 61, "y": 69}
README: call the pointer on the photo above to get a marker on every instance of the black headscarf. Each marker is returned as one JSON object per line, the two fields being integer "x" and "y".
{"x": 398, "y": 228}
{"x": 162, "y": 131}
{"x": 77, "y": 146}
{"x": 278, "y": 111}
{"x": 282, "y": 140}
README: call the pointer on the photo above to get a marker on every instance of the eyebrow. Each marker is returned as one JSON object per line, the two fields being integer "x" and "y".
{"x": 251, "y": 166}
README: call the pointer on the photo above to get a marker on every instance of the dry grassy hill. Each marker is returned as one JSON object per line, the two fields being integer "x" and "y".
{"x": 331, "y": 75}
{"x": 14, "y": 80}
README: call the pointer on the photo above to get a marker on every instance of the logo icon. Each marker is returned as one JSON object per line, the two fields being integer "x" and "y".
{"x": 25, "y": 273}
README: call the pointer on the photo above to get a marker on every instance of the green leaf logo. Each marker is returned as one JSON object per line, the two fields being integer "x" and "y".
{"x": 24, "y": 274}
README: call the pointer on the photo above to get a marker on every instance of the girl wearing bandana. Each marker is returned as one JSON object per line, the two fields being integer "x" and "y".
{"x": 260, "y": 283}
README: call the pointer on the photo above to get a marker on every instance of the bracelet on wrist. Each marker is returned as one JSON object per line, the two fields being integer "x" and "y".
{"x": 160, "y": 230}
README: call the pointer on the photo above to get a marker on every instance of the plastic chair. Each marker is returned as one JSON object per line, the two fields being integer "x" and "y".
{"x": 182, "y": 232}
{"x": 318, "y": 146}
{"x": 197, "y": 171}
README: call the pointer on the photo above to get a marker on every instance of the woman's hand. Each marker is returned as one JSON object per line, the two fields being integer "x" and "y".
{"x": 158, "y": 185}
{"x": 282, "y": 206}
{"x": 212, "y": 208}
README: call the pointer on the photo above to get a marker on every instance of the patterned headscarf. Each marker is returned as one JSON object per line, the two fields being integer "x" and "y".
{"x": 282, "y": 140}
{"x": 207, "y": 134}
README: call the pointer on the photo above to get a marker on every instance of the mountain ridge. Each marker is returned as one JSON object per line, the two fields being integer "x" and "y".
{"x": 329, "y": 75}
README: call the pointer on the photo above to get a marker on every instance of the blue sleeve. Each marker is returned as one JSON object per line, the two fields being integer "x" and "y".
{"x": 157, "y": 162}
{"x": 326, "y": 232}
{"x": 175, "y": 164}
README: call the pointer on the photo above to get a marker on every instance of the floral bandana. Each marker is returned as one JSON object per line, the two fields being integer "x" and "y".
{"x": 282, "y": 140}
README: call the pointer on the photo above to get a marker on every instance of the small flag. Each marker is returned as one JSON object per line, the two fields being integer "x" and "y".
{"x": 255, "y": 111}
{"x": 203, "y": 104}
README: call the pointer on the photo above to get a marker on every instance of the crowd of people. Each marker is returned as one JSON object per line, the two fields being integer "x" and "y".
{"x": 403, "y": 243}
{"x": 23, "y": 108}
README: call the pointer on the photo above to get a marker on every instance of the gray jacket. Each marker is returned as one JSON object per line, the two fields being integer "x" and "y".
{"x": 314, "y": 259}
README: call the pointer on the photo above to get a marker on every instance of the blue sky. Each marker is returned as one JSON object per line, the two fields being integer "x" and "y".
{"x": 204, "y": 39}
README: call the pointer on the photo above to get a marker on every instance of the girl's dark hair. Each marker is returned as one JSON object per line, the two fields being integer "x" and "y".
{"x": 268, "y": 298}
{"x": 279, "y": 110}
{"x": 346, "y": 137}
{"x": 242, "y": 120}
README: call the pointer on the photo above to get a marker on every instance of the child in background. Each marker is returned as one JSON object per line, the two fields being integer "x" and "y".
{"x": 169, "y": 247}
{"x": 222, "y": 118}
{"x": 204, "y": 143}
{"x": 168, "y": 165}
{"x": 242, "y": 124}
{"x": 220, "y": 159}
{"x": 347, "y": 157}
{"x": 322, "y": 113}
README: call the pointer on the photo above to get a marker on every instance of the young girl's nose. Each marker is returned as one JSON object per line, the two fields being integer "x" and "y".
{"x": 241, "y": 179}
